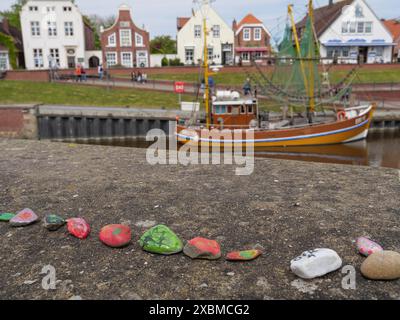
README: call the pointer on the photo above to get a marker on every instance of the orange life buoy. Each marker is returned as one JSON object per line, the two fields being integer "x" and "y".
{"x": 341, "y": 115}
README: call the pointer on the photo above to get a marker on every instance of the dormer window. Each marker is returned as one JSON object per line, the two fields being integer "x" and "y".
{"x": 112, "y": 41}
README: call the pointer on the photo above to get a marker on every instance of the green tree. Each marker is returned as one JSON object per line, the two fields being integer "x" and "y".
{"x": 163, "y": 45}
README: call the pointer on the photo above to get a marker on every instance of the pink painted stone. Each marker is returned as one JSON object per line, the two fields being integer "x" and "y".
{"x": 366, "y": 247}
{"x": 24, "y": 218}
{"x": 201, "y": 248}
{"x": 78, "y": 227}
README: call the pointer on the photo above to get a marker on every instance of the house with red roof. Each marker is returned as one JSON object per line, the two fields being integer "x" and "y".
{"x": 252, "y": 40}
{"x": 394, "y": 27}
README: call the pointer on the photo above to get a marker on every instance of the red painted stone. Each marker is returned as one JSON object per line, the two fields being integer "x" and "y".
{"x": 201, "y": 248}
{"x": 115, "y": 235}
{"x": 78, "y": 227}
{"x": 246, "y": 255}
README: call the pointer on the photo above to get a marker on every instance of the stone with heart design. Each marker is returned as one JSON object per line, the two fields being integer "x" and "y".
{"x": 245, "y": 255}
{"x": 161, "y": 240}
{"x": 78, "y": 227}
{"x": 6, "y": 216}
{"x": 115, "y": 235}
{"x": 24, "y": 218}
{"x": 53, "y": 222}
{"x": 315, "y": 263}
{"x": 201, "y": 248}
{"x": 366, "y": 246}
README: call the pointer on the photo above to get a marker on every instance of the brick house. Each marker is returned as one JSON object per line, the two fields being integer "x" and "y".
{"x": 124, "y": 44}
{"x": 252, "y": 40}
{"x": 10, "y": 32}
{"x": 394, "y": 27}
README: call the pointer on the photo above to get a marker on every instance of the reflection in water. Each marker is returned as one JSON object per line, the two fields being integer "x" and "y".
{"x": 381, "y": 149}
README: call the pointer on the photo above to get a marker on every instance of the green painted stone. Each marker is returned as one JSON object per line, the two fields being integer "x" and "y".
{"x": 5, "y": 217}
{"x": 53, "y": 222}
{"x": 162, "y": 240}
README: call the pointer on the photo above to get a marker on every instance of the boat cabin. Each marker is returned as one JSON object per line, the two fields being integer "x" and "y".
{"x": 230, "y": 111}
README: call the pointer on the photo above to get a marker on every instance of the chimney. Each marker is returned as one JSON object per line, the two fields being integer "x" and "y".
{"x": 234, "y": 25}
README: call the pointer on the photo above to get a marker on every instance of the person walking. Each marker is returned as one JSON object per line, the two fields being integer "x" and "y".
{"x": 247, "y": 87}
{"x": 100, "y": 71}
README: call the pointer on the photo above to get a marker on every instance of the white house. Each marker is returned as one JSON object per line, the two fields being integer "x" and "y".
{"x": 53, "y": 34}
{"x": 190, "y": 39}
{"x": 350, "y": 32}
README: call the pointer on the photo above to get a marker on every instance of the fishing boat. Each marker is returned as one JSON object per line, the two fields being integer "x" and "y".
{"x": 298, "y": 84}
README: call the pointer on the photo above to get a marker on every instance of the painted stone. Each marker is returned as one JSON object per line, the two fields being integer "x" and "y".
{"x": 24, "y": 218}
{"x": 53, "y": 222}
{"x": 78, "y": 227}
{"x": 115, "y": 235}
{"x": 246, "y": 255}
{"x": 315, "y": 263}
{"x": 382, "y": 265}
{"x": 366, "y": 247}
{"x": 6, "y": 216}
{"x": 201, "y": 248}
{"x": 162, "y": 240}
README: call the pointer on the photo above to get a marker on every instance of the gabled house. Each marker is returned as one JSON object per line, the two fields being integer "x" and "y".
{"x": 11, "y": 47}
{"x": 190, "y": 39}
{"x": 252, "y": 40}
{"x": 394, "y": 27}
{"x": 124, "y": 44}
{"x": 54, "y": 35}
{"x": 350, "y": 32}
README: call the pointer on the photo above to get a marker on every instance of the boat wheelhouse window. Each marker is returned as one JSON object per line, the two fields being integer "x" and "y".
{"x": 242, "y": 109}
{"x": 220, "y": 109}
{"x": 250, "y": 109}
{"x": 229, "y": 109}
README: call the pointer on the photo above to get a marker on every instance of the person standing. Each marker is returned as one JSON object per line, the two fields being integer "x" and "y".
{"x": 78, "y": 73}
{"x": 83, "y": 73}
{"x": 247, "y": 87}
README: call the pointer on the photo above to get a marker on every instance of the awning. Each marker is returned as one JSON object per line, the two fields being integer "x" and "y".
{"x": 251, "y": 49}
{"x": 358, "y": 43}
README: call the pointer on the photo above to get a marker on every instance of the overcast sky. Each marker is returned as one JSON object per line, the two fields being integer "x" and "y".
{"x": 159, "y": 16}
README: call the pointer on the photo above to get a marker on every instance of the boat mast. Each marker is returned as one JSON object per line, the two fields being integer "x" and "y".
{"x": 311, "y": 66}
{"x": 206, "y": 74}
{"x": 298, "y": 49}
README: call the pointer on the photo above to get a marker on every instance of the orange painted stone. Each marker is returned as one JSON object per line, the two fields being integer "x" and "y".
{"x": 201, "y": 248}
{"x": 246, "y": 255}
{"x": 115, "y": 235}
{"x": 78, "y": 227}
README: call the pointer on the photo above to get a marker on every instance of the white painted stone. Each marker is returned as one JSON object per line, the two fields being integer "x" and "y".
{"x": 315, "y": 263}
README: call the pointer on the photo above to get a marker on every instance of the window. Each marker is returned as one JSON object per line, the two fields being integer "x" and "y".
{"x": 69, "y": 28}
{"x": 345, "y": 27}
{"x": 35, "y": 28}
{"x": 368, "y": 27}
{"x": 379, "y": 51}
{"x": 139, "y": 40}
{"x": 216, "y": 31}
{"x": 257, "y": 34}
{"x": 38, "y": 58}
{"x": 125, "y": 37}
{"x": 189, "y": 56}
{"x": 359, "y": 12}
{"x": 111, "y": 58}
{"x": 124, "y": 24}
{"x": 3, "y": 60}
{"x": 246, "y": 34}
{"x": 220, "y": 109}
{"x": 352, "y": 27}
{"x": 33, "y": 8}
{"x": 52, "y": 28}
{"x": 112, "y": 40}
{"x": 197, "y": 31}
{"x": 210, "y": 54}
{"x": 345, "y": 52}
{"x": 54, "y": 59}
{"x": 257, "y": 55}
{"x": 250, "y": 109}
{"x": 245, "y": 56}
{"x": 67, "y": 9}
{"x": 51, "y": 9}
{"x": 126, "y": 59}
{"x": 360, "y": 27}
